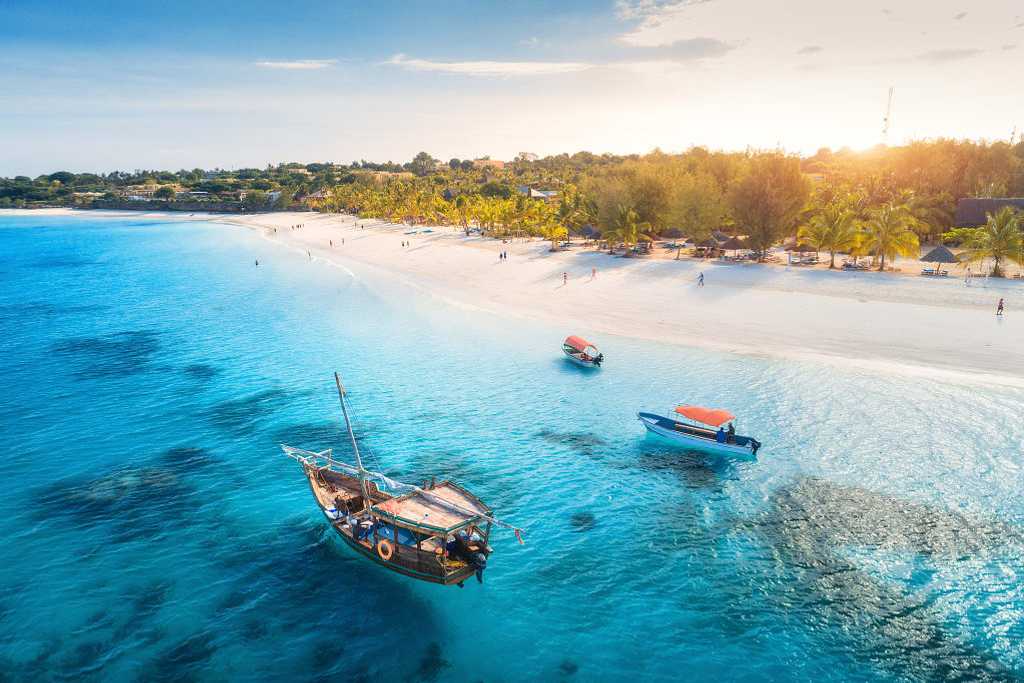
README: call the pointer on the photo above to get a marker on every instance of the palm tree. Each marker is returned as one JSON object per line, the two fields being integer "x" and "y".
{"x": 833, "y": 229}
{"x": 890, "y": 232}
{"x": 550, "y": 230}
{"x": 463, "y": 208}
{"x": 999, "y": 239}
{"x": 627, "y": 227}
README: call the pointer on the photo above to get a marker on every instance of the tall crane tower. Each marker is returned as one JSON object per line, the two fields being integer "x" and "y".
{"x": 887, "y": 121}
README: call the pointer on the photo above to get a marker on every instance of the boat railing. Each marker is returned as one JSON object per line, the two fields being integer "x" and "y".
{"x": 318, "y": 460}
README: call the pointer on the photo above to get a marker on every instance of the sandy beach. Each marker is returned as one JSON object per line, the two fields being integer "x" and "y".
{"x": 894, "y": 322}
{"x": 889, "y": 322}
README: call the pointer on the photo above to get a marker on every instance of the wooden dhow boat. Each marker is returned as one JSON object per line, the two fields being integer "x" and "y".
{"x": 581, "y": 352}
{"x": 695, "y": 432}
{"x": 437, "y": 533}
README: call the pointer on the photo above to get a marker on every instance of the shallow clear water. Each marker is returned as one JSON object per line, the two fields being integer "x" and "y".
{"x": 153, "y": 529}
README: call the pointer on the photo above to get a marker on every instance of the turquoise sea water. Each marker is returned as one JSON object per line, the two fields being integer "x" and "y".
{"x": 153, "y": 530}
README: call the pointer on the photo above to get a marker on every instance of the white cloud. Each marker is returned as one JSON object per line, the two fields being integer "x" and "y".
{"x": 686, "y": 50}
{"x": 948, "y": 55}
{"x": 298, "y": 64}
{"x": 650, "y": 9}
{"x": 489, "y": 68}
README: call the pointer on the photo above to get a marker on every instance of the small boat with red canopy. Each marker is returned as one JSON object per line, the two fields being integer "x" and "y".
{"x": 582, "y": 352}
{"x": 695, "y": 430}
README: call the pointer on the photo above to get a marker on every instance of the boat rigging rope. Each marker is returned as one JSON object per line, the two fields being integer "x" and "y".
{"x": 312, "y": 459}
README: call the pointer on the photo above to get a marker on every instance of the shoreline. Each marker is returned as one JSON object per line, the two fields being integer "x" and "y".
{"x": 879, "y": 322}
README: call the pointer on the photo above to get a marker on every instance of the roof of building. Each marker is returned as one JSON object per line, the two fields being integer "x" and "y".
{"x": 973, "y": 211}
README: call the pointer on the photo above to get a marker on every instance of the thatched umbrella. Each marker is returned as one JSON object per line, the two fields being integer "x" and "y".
{"x": 710, "y": 244}
{"x": 734, "y": 244}
{"x": 939, "y": 255}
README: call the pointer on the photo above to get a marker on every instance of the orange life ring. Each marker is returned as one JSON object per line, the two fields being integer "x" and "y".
{"x": 385, "y": 550}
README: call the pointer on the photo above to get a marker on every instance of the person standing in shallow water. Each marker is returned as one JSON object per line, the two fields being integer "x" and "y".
{"x": 999, "y": 308}
{"x": 700, "y": 279}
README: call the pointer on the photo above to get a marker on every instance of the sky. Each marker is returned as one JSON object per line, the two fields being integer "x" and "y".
{"x": 105, "y": 85}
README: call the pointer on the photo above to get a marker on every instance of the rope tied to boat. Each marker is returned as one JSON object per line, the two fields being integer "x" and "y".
{"x": 312, "y": 459}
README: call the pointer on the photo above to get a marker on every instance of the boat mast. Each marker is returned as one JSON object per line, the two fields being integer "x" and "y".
{"x": 352, "y": 438}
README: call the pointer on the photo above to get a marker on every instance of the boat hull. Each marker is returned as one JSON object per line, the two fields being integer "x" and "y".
{"x": 432, "y": 575}
{"x": 667, "y": 429}
{"x": 580, "y": 362}
{"x": 444, "y": 580}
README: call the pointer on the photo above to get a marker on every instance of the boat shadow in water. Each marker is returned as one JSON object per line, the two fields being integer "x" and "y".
{"x": 130, "y": 501}
{"x": 698, "y": 469}
{"x": 568, "y": 367}
{"x": 112, "y": 355}
{"x": 308, "y": 576}
{"x": 809, "y": 524}
{"x": 202, "y": 372}
{"x": 241, "y": 415}
{"x": 582, "y": 443}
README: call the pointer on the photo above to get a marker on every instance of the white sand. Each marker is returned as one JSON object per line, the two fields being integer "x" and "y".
{"x": 881, "y": 321}
{"x": 892, "y": 323}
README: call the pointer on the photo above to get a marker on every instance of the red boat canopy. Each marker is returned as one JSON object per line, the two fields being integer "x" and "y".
{"x": 578, "y": 343}
{"x": 715, "y": 417}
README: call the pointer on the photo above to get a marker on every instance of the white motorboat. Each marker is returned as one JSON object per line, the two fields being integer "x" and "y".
{"x": 695, "y": 433}
{"x": 581, "y": 352}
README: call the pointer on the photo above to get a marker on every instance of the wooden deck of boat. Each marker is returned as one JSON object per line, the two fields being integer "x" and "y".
{"x": 328, "y": 487}
{"x": 420, "y": 508}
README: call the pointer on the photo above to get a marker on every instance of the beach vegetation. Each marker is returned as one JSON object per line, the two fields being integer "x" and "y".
{"x": 628, "y": 229}
{"x": 768, "y": 200}
{"x": 999, "y": 240}
{"x": 764, "y": 197}
{"x": 833, "y": 229}
{"x": 890, "y": 232}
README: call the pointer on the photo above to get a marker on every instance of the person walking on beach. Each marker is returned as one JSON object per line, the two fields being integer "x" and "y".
{"x": 999, "y": 308}
{"x": 593, "y": 273}
{"x": 565, "y": 279}
{"x": 332, "y": 243}
{"x": 309, "y": 255}
{"x": 700, "y": 279}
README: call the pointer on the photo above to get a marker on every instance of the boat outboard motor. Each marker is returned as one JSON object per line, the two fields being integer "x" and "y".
{"x": 478, "y": 560}
{"x": 599, "y": 359}
{"x": 754, "y": 445}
